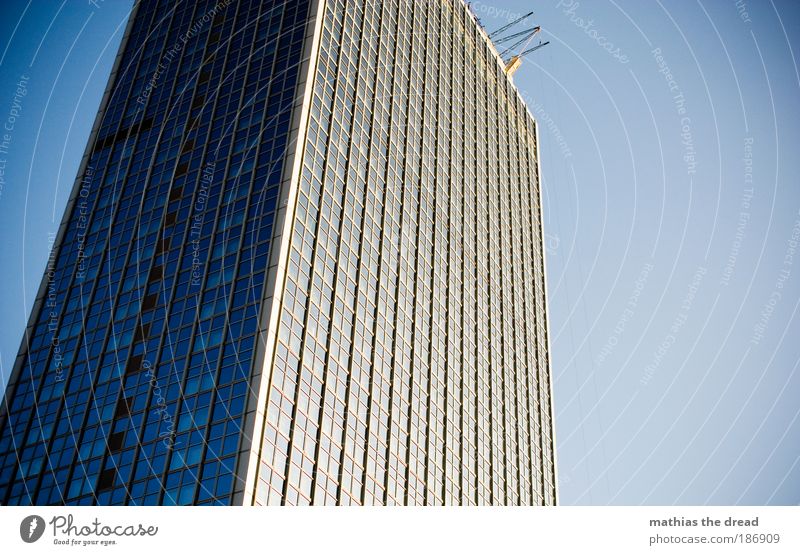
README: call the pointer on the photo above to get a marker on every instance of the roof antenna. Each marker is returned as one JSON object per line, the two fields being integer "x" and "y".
{"x": 521, "y": 45}
{"x": 501, "y": 29}
{"x": 515, "y": 61}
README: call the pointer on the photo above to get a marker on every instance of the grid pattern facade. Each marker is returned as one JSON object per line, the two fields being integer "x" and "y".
{"x": 411, "y": 359}
{"x": 339, "y": 251}
{"x": 133, "y": 380}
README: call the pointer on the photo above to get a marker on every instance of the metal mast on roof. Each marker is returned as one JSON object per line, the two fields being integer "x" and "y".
{"x": 524, "y": 39}
{"x": 501, "y": 29}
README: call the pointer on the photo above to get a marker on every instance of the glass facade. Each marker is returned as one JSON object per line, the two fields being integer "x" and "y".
{"x": 302, "y": 264}
{"x": 411, "y": 362}
{"x": 132, "y": 383}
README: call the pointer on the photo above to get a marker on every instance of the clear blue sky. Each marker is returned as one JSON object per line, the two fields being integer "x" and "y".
{"x": 669, "y": 141}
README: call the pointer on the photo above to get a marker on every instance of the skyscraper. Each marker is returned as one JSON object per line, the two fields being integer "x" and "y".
{"x": 302, "y": 263}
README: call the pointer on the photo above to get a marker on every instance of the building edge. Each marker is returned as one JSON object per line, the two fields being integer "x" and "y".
{"x": 41, "y": 293}
{"x": 546, "y": 315}
{"x": 249, "y": 454}
{"x": 501, "y": 64}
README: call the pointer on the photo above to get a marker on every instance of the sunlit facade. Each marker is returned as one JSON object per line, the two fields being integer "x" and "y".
{"x": 302, "y": 264}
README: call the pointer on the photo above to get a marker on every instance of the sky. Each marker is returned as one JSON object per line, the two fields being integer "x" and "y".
{"x": 668, "y": 140}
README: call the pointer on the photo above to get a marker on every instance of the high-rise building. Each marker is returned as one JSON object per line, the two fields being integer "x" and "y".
{"x": 302, "y": 263}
